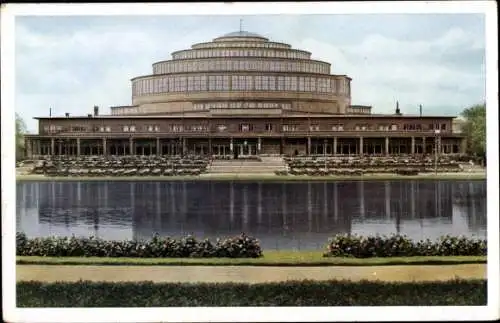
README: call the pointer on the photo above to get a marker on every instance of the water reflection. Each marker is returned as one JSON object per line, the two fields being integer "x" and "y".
{"x": 282, "y": 215}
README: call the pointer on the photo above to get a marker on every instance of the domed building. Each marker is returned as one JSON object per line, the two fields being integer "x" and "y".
{"x": 238, "y": 95}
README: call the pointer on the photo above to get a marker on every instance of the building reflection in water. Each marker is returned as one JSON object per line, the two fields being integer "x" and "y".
{"x": 282, "y": 215}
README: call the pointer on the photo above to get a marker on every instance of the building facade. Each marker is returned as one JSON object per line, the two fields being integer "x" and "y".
{"x": 242, "y": 94}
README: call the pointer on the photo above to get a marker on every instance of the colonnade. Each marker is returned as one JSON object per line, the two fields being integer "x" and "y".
{"x": 243, "y": 146}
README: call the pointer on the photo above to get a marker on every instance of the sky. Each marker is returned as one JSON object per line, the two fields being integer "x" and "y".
{"x": 71, "y": 63}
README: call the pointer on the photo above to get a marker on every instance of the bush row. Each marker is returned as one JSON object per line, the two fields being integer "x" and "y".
{"x": 344, "y": 245}
{"x": 241, "y": 246}
{"x": 305, "y": 293}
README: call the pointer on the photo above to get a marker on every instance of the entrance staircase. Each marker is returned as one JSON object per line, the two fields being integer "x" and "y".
{"x": 267, "y": 165}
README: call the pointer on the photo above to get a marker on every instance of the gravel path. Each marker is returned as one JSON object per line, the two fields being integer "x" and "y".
{"x": 246, "y": 274}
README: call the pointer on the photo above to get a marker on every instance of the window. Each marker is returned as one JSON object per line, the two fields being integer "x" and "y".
{"x": 357, "y": 128}
{"x": 281, "y": 83}
{"x": 150, "y": 128}
{"x": 269, "y": 127}
{"x": 198, "y": 106}
{"x": 197, "y": 127}
{"x": 443, "y": 126}
{"x": 132, "y": 128}
{"x": 221, "y": 128}
{"x": 334, "y": 128}
{"x": 74, "y": 129}
{"x": 314, "y": 127}
{"x": 289, "y": 127}
{"x": 394, "y": 127}
{"x": 157, "y": 128}
{"x": 244, "y": 127}
{"x": 101, "y": 129}
{"x": 125, "y": 128}
{"x": 108, "y": 129}
{"x": 177, "y": 128}
{"x": 340, "y": 127}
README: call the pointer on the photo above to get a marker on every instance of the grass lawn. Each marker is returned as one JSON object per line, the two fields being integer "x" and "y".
{"x": 270, "y": 258}
{"x": 260, "y": 177}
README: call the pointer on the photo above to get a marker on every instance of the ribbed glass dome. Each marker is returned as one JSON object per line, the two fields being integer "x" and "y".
{"x": 242, "y": 34}
{"x": 237, "y": 68}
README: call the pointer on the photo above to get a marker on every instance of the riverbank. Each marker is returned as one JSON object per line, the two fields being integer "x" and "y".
{"x": 262, "y": 177}
{"x": 271, "y": 258}
{"x": 246, "y": 274}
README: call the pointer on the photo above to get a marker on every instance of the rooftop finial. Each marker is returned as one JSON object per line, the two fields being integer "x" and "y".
{"x": 241, "y": 25}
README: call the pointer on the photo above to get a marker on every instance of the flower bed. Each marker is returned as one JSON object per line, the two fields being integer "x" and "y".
{"x": 121, "y": 166}
{"x": 344, "y": 245}
{"x": 241, "y": 246}
{"x": 403, "y": 165}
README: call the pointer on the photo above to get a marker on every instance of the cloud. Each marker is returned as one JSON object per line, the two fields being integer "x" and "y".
{"x": 414, "y": 72}
{"x": 71, "y": 66}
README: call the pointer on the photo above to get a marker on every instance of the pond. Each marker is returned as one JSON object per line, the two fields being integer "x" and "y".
{"x": 282, "y": 215}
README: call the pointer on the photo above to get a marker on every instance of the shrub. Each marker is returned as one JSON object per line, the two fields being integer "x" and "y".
{"x": 291, "y": 293}
{"x": 344, "y": 245}
{"x": 241, "y": 246}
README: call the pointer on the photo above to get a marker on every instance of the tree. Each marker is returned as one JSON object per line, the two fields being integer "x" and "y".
{"x": 475, "y": 130}
{"x": 20, "y": 132}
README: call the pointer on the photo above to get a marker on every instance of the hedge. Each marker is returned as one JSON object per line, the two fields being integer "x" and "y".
{"x": 241, "y": 246}
{"x": 345, "y": 245}
{"x": 304, "y": 293}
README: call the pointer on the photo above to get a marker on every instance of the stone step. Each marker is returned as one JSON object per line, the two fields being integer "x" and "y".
{"x": 242, "y": 171}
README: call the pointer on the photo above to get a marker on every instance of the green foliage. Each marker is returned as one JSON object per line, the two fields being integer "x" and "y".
{"x": 304, "y": 293}
{"x": 20, "y": 132}
{"x": 241, "y": 246}
{"x": 475, "y": 129}
{"x": 344, "y": 245}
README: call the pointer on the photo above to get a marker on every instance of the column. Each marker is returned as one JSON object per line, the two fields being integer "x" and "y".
{"x": 158, "y": 147}
{"x": 210, "y": 147}
{"x": 78, "y": 149}
{"x": 59, "y": 147}
{"x": 184, "y": 150}
{"x": 412, "y": 145}
{"x": 131, "y": 146}
{"x": 463, "y": 146}
{"x": 104, "y": 147}
{"x": 308, "y": 146}
{"x": 29, "y": 149}
{"x": 52, "y": 147}
{"x": 259, "y": 145}
{"x": 35, "y": 148}
{"x": 423, "y": 146}
{"x": 361, "y": 145}
{"x": 387, "y": 145}
{"x": 231, "y": 147}
{"x": 335, "y": 145}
